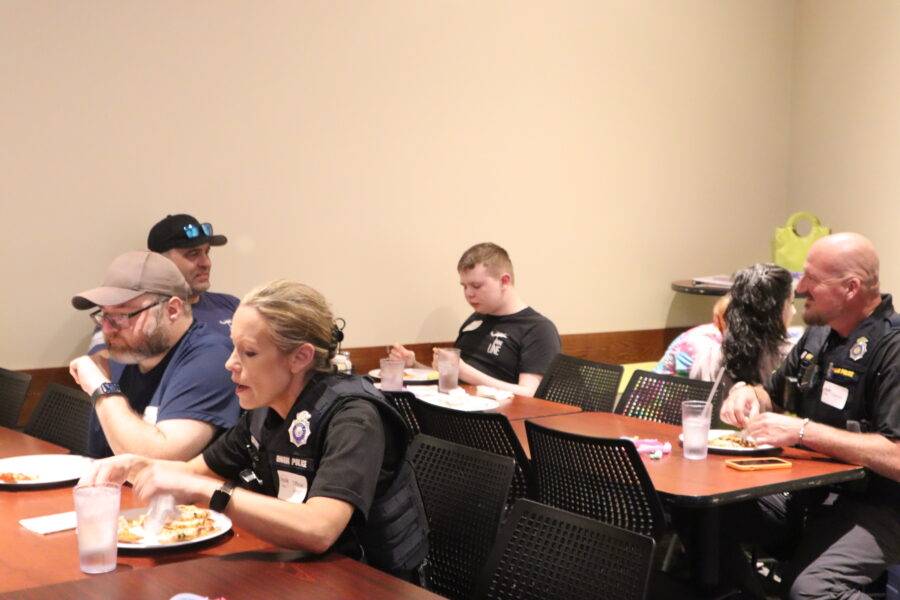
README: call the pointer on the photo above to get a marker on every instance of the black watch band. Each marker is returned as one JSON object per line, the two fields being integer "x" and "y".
{"x": 221, "y": 497}
{"x": 105, "y": 389}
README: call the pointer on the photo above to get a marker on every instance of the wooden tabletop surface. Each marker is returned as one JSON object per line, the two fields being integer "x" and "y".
{"x": 16, "y": 443}
{"x": 526, "y": 407}
{"x": 30, "y": 559}
{"x": 702, "y": 482}
{"x": 270, "y": 574}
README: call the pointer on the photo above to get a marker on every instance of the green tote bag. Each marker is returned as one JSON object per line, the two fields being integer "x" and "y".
{"x": 789, "y": 248}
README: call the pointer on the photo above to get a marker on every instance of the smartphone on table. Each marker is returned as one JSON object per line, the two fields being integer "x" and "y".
{"x": 757, "y": 464}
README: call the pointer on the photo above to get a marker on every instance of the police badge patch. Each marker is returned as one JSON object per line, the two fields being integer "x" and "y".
{"x": 859, "y": 348}
{"x": 299, "y": 430}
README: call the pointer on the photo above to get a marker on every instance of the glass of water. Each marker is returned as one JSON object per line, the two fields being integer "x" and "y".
{"x": 97, "y": 518}
{"x": 695, "y": 417}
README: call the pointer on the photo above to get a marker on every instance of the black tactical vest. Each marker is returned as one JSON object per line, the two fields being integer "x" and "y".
{"x": 394, "y": 537}
{"x": 845, "y": 364}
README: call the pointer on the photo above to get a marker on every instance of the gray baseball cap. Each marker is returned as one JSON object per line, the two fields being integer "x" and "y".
{"x": 132, "y": 274}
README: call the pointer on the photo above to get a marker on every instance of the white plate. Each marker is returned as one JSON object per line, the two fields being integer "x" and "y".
{"x": 49, "y": 468}
{"x": 412, "y": 376}
{"x": 463, "y": 402}
{"x": 714, "y": 433}
{"x": 222, "y": 522}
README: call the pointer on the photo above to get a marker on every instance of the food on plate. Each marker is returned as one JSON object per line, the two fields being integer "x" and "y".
{"x": 16, "y": 477}
{"x": 191, "y": 523}
{"x": 732, "y": 440}
{"x": 411, "y": 374}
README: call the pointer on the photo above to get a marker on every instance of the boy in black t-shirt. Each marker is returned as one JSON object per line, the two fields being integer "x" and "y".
{"x": 504, "y": 344}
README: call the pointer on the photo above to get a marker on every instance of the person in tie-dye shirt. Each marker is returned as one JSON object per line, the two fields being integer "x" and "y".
{"x": 687, "y": 353}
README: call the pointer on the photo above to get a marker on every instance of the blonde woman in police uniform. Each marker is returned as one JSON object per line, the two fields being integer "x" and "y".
{"x": 318, "y": 460}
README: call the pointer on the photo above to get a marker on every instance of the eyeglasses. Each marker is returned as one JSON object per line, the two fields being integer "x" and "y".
{"x": 120, "y": 321}
{"x": 192, "y": 231}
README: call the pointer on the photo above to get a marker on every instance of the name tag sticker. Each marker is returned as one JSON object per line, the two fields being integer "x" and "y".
{"x": 150, "y": 414}
{"x": 834, "y": 395}
{"x": 473, "y": 325}
{"x": 292, "y": 487}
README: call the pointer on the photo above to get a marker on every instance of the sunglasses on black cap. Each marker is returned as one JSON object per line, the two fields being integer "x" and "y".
{"x": 192, "y": 231}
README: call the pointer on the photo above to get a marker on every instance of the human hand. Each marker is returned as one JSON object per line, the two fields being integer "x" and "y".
{"x": 116, "y": 469}
{"x": 398, "y": 352}
{"x": 775, "y": 429}
{"x": 185, "y": 487}
{"x": 87, "y": 373}
{"x": 740, "y": 407}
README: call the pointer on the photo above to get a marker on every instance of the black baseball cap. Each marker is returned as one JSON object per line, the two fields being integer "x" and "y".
{"x": 182, "y": 231}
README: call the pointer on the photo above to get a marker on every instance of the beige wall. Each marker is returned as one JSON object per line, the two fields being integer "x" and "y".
{"x": 846, "y": 107}
{"x": 612, "y": 146}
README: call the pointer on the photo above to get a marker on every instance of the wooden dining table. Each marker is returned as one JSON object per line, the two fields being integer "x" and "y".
{"x": 518, "y": 408}
{"x": 16, "y": 443}
{"x": 270, "y": 573}
{"x": 700, "y": 490}
{"x": 233, "y": 565}
{"x": 702, "y": 482}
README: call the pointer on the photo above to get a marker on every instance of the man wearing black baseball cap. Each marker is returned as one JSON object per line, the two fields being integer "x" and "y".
{"x": 170, "y": 394}
{"x": 186, "y": 242}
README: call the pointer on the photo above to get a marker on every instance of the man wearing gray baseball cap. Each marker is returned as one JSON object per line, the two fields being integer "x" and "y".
{"x": 173, "y": 395}
{"x": 186, "y": 242}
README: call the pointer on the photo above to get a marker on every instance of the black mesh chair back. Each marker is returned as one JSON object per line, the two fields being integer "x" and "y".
{"x": 545, "y": 553}
{"x": 464, "y": 491}
{"x": 490, "y": 432}
{"x": 61, "y": 417}
{"x": 402, "y": 401}
{"x": 656, "y": 397}
{"x": 590, "y": 385}
{"x": 13, "y": 390}
{"x": 600, "y": 478}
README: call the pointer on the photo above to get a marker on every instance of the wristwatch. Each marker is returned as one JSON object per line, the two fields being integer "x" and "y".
{"x": 105, "y": 389}
{"x": 221, "y": 497}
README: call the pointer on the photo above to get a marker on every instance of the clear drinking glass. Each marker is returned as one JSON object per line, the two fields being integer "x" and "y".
{"x": 448, "y": 369}
{"x": 695, "y": 418}
{"x": 97, "y": 518}
{"x": 391, "y": 374}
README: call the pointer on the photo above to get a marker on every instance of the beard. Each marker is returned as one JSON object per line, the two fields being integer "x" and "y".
{"x": 154, "y": 342}
{"x": 813, "y": 318}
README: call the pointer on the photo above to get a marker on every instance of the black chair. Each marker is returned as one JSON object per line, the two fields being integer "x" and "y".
{"x": 13, "y": 390}
{"x": 464, "y": 491}
{"x": 656, "y": 397}
{"x": 592, "y": 386}
{"x": 545, "y": 553}
{"x": 600, "y": 478}
{"x": 62, "y": 417}
{"x": 490, "y": 432}
{"x": 402, "y": 401}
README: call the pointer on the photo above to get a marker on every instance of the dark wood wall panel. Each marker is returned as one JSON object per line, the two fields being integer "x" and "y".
{"x": 617, "y": 347}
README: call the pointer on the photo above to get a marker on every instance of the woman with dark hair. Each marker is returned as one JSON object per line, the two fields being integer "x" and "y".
{"x": 756, "y": 321}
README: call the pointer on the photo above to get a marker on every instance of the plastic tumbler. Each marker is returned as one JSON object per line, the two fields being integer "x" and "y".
{"x": 97, "y": 518}
{"x": 391, "y": 374}
{"x": 695, "y": 417}
{"x": 448, "y": 369}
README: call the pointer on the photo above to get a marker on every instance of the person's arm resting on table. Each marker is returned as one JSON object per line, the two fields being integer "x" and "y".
{"x": 526, "y": 386}
{"x": 752, "y": 408}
